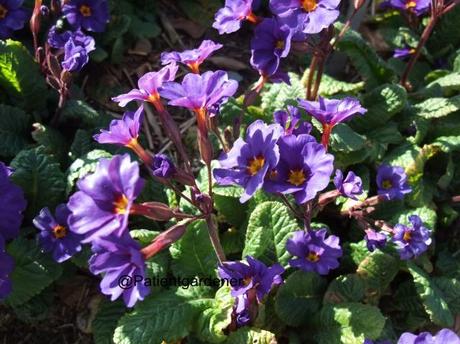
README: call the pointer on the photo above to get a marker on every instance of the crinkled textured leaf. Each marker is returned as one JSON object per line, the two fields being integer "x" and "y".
{"x": 345, "y": 288}
{"x": 437, "y": 107}
{"x": 54, "y": 142}
{"x": 106, "y": 321}
{"x": 449, "y": 83}
{"x": 448, "y": 143}
{"x": 78, "y": 110}
{"x": 14, "y": 130}
{"x": 251, "y": 335}
{"x": 278, "y": 96}
{"x": 330, "y": 86}
{"x": 345, "y": 139}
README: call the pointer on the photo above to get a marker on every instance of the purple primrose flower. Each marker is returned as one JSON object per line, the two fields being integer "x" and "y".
{"x": 54, "y": 234}
{"x": 375, "y": 240}
{"x": 122, "y": 132}
{"x": 351, "y": 186}
{"x": 444, "y": 336}
{"x": 392, "y": 182}
{"x": 303, "y": 170}
{"x": 290, "y": 121}
{"x": 229, "y": 18}
{"x": 314, "y": 251}
{"x": 76, "y": 51}
{"x": 119, "y": 258}
{"x": 162, "y": 166}
{"x": 12, "y": 17}
{"x": 417, "y": 7}
{"x": 192, "y": 58}
{"x": 102, "y": 204}
{"x": 411, "y": 241}
{"x": 92, "y": 15}
{"x": 249, "y": 160}
{"x": 403, "y": 53}
{"x": 6, "y": 268}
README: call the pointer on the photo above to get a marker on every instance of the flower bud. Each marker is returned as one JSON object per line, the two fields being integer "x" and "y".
{"x": 154, "y": 210}
{"x": 164, "y": 240}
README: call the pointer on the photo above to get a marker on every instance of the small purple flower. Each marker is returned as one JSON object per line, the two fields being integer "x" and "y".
{"x": 229, "y": 18}
{"x": 12, "y": 204}
{"x": 12, "y": 17}
{"x": 57, "y": 39}
{"x": 76, "y": 51}
{"x": 92, "y": 15}
{"x": 314, "y": 251}
{"x": 270, "y": 44}
{"x": 162, "y": 166}
{"x": 148, "y": 85}
{"x": 254, "y": 275}
{"x": 403, "y": 53}
{"x": 411, "y": 241}
{"x": 444, "y": 336}
{"x": 249, "y": 161}
{"x": 351, "y": 186}
{"x": 375, "y": 240}
{"x": 303, "y": 170}
{"x": 418, "y": 7}
{"x": 291, "y": 122}
{"x": 192, "y": 58}
{"x": 102, "y": 205}
{"x": 122, "y": 132}
{"x": 311, "y": 16}
{"x": 392, "y": 182}
{"x": 6, "y": 268}
{"x": 119, "y": 258}
{"x": 55, "y": 236}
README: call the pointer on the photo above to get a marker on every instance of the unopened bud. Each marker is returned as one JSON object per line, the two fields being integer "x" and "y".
{"x": 358, "y": 4}
{"x": 164, "y": 240}
{"x": 153, "y": 210}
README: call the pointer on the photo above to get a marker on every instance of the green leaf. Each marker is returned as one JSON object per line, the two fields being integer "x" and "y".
{"x": 52, "y": 139}
{"x": 278, "y": 96}
{"x": 345, "y": 139}
{"x": 40, "y": 177}
{"x": 79, "y": 111}
{"x": 300, "y": 297}
{"x": 449, "y": 84}
{"x": 447, "y": 143}
{"x": 202, "y": 11}
{"x": 270, "y": 225}
{"x": 193, "y": 254}
{"x": 14, "y": 130}
{"x": 106, "y": 321}
{"x": 437, "y": 107}
{"x": 349, "y": 323}
{"x": 432, "y": 297}
{"x": 33, "y": 271}
{"x": 450, "y": 287}
{"x": 143, "y": 236}
{"x": 330, "y": 86}
{"x": 20, "y": 77}
{"x": 231, "y": 209}
{"x": 345, "y": 288}
{"x": 251, "y": 335}
{"x": 427, "y": 215}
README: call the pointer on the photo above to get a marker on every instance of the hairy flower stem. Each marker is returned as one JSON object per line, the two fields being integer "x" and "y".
{"x": 215, "y": 241}
{"x": 289, "y": 205}
{"x": 307, "y": 215}
{"x": 311, "y": 72}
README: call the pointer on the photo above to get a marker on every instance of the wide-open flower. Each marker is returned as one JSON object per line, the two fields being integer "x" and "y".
{"x": 192, "y": 58}
{"x": 92, "y": 15}
{"x": 12, "y": 17}
{"x": 6, "y": 268}
{"x": 102, "y": 204}
{"x": 311, "y": 16}
{"x": 411, "y": 241}
{"x": 270, "y": 43}
{"x": 148, "y": 85}
{"x": 249, "y": 160}
{"x": 55, "y": 236}
{"x": 122, "y": 132}
{"x": 314, "y": 251}
{"x": 351, "y": 186}
{"x": 122, "y": 263}
{"x": 12, "y": 204}
{"x": 254, "y": 275}
{"x": 290, "y": 121}
{"x": 418, "y": 7}
{"x": 76, "y": 52}
{"x": 229, "y": 18}
{"x": 444, "y": 336}
{"x": 392, "y": 182}
{"x": 375, "y": 240}
{"x": 403, "y": 53}
{"x": 303, "y": 170}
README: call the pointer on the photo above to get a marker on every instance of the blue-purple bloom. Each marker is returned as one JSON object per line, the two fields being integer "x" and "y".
{"x": 303, "y": 170}
{"x": 314, "y": 251}
{"x": 192, "y": 58}
{"x": 92, "y": 15}
{"x": 375, "y": 240}
{"x": 162, "y": 166}
{"x": 6, "y": 268}
{"x": 270, "y": 44}
{"x": 254, "y": 275}
{"x": 309, "y": 16}
{"x": 242, "y": 310}
{"x": 229, "y": 18}
{"x": 403, "y": 53}
{"x": 76, "y": 51}
{"x": 290, "y": 121}
{"x": 122, "y": 132}
{"x": 444, "y": 336}
{"x": 119, "y": 258}
{"x": 418, "y": 7}
{"x": 12, "y": 17}
{"x": 55, "y": 236}
{"x": 12, "y": 204}
{"x": 351, "y": 186}
{"x": 249, "y": 160}
{"x": 392, "y": 182}
{"x": 102, "y": 204}
{"x": 412, "y": 240}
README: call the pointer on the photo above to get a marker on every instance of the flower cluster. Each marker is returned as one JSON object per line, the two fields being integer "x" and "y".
{"x": 444, "y": 336}
{"x": 12, "y": 17}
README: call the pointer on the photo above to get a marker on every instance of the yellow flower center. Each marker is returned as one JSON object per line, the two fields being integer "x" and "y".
{"x": 279, "y": 44}
{"x": 296, "y": 177}
{"x": 85, "y": 10}
{"x": 309, "y": 5}
{"x": 407, "y": 236}
{"x": 3, "y": 12}
{"x": 386, "y": 184}
{"x": 246, "y": 281}
{"x": 59, "y": 232}
{"x": 120, "y": 205}
{"x": 312, "y": 257}
{"x": 411, "y": 4}
{"x": 255, "y": 165}
{"x": 412, "y": 51}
